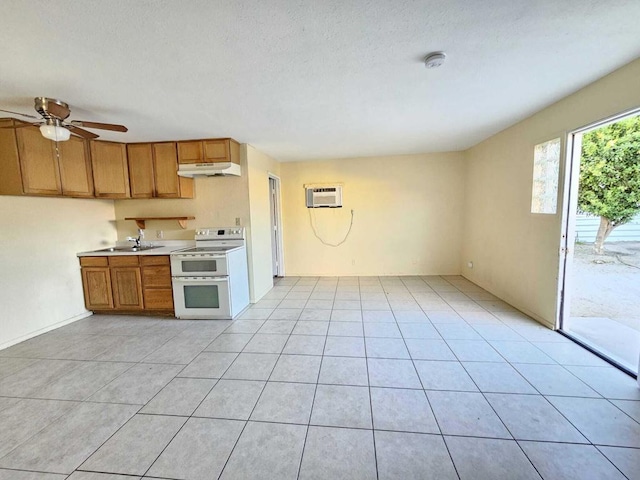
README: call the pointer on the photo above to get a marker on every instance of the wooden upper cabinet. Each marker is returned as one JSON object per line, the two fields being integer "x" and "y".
{"x": 153, "y": 171}
{"x": 10, "y": 176}
{"x": 216, "y": 150}
{"x": 110, "y": 170}
{"x": 165, "y": 162}
{"x": 75, "y": 168}
{"x": 141, "y": 170}
{"x": 38, "y": 163}
{"x": 190, "y": 152}
{"x": 209, "y": 151}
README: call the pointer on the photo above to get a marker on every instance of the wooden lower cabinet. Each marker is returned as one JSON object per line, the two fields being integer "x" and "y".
{"x": 131, "y": 283}
{"x": 127, "y": 288}
{"x": 96, "y": 282}
{"x": 156, "y": 282}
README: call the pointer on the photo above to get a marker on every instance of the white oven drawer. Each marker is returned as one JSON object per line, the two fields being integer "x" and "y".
{"x": 201, "y": 297}
{"x": 198, "y": 264}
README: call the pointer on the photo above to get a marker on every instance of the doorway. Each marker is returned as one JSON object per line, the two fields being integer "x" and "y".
{"x": 277, "y": 263}
{"x": 601, "y": 240}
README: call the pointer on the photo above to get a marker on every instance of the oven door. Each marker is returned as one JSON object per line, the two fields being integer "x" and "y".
{"x": 201, "y": 297}
{"x": 187, "y": 264}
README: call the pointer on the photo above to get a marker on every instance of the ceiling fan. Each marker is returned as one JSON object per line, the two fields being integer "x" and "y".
{"x": 54, "y": 124}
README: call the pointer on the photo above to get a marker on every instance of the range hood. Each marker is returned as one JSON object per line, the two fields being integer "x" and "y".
{"x": 222, "y": 169}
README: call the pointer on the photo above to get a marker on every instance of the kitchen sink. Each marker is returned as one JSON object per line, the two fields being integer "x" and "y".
{"x": 128, "y": 249}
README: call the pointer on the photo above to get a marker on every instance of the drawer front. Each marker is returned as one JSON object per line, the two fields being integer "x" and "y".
{"x": 156, "y": 276}
{"x": 158, "y": 299}
{"x": 124, "y": 261}
{"x": 94, "y": 261}
{"x": 154, "y": 260}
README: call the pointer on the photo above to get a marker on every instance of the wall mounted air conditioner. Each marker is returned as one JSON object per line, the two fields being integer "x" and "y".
{"x": 324, "y": 196}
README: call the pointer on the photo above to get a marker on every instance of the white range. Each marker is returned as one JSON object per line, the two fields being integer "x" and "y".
{"x": 211, "y": 281}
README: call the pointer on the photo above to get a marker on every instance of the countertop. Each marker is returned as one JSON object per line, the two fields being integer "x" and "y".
{"x": 164, "y": 248}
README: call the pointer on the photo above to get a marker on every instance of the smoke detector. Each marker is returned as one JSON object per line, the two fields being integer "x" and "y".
{"x": 434, "y": 60}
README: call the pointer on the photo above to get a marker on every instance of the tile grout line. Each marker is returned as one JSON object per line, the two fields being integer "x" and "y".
{"x": 415, "y": 369}
{"x": 246, "y": 422}
{"x": 315, "y": 391}
{"x": 373, "y": 431}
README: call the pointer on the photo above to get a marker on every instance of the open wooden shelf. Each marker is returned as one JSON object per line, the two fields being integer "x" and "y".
{"x": 140, "y": 221}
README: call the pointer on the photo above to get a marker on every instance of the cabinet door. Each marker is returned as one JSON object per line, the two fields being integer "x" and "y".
{"x": 75, "y": 168}
{"x": 96, "y": 283}
{"x": 165, "y": 163}
{"x": 38, "y": 162}
{"x": 190, "y": 152}
{"x": 216, "y": 150}
{"x": 141, "y": 171}
{"x": 10, "y": 175}
{"x": 127, "y": 288}
{"x": 110, "y": 172}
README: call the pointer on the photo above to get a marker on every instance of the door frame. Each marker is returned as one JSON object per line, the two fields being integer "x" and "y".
{"x": 275, "y": 202}
{"x": 571, "y": 184}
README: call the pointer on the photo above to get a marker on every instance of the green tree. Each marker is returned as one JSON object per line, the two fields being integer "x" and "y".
{"x": 610, "y": 175}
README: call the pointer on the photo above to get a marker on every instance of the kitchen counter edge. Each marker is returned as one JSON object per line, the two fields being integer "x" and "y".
{"x": 161, "y": 250}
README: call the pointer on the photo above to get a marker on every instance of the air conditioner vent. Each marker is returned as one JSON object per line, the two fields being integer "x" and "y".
{"x": 324, "y": 197}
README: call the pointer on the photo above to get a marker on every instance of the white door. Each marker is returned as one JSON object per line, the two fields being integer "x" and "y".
{"x": 276, "y": 227}
{"x": 599, "y": 331}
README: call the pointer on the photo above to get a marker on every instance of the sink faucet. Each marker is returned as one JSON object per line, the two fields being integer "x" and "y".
{"x": 137, "y": 240}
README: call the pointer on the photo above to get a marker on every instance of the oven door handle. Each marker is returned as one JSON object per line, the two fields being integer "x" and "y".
{"x": 199, "y": 256}
{"x": 201, "y": 279}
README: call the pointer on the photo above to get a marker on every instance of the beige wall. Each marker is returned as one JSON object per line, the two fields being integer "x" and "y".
{"x": 260, "y": 263}
{"x": 407, "y": 216}
{"x": 218, "y": 202}
{"x": 516, "y": 254}
{"x": 40, "y": 281}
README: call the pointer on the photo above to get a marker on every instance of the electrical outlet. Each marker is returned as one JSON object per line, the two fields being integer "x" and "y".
{"x": 159, "y": 234}
{"x": 353, "y": 262}
{"x": 237, "y": 221}
{"x": 470, "y": 264}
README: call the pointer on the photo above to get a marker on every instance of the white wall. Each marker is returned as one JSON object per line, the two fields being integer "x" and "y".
{"x": 260, "y": 268}
{"x": 407, "y": 216}
{"x": 40, "y": 281}
{"x": 516, "y": 254}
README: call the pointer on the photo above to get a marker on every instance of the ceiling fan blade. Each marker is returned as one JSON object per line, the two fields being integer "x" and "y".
{"x": 22, "y": 114}
{"x": 102, "y": 126}
{"x": 80, "y": 132}
{"x": 23, "y": 125}
{"x": 56, "y": 110}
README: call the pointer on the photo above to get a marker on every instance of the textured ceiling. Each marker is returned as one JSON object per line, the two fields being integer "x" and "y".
{"x": 310, "y": 79}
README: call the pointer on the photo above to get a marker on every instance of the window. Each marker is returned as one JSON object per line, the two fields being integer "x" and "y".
{"x": 546, "y": 166}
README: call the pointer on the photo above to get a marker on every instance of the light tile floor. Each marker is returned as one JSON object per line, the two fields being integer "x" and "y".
{"x": 324, "y": 378}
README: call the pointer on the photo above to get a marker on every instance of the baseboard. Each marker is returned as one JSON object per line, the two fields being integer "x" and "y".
{"x": 45, "y": 330}
{"x": 515, "y": 305}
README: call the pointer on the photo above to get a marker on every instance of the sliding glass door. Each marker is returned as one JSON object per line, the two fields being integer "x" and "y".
{"x": 600, "y": 291}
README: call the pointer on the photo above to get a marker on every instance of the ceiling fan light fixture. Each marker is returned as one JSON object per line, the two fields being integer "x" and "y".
{"x": 55, "y": 133}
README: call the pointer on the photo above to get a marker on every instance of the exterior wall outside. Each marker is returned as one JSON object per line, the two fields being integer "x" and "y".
{"x": 587, "y": 228}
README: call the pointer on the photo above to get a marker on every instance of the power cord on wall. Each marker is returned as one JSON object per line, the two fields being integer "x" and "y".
{"x": 313, "y": 227}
